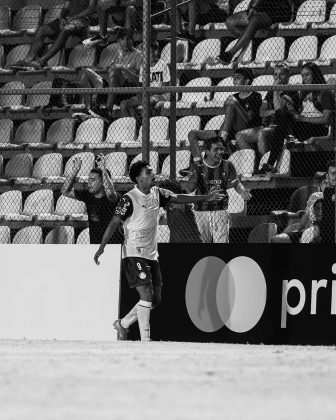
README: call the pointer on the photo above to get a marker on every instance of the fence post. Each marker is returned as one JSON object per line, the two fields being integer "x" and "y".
{"x": 146, "y": 80}
{"x": 173, "y": 78}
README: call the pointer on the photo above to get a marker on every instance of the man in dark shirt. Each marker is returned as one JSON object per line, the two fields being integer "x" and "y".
{"x": 74, "y": 20}
{"x": 100, "y": 199}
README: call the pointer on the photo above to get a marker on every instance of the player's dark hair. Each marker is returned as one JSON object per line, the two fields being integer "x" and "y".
{"x": 136, "y": 168}
{"x": 213, "y": 140}
{"x": 331, "y": 163}
{"x": 99, "y": 172}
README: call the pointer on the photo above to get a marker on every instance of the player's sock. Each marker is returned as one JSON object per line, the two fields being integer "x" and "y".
{"x": 130, "y": 318}
{"x": 144, "y": 309}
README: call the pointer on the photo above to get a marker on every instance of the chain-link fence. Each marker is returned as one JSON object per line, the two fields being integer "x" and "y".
{"x": 226, "y": 95}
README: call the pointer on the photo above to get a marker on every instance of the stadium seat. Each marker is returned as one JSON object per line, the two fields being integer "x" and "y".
{"x": 69, "y": 208}
{"x": 236, "y": 202}
{"x": 19, "y": 166}
{"x": 61, "y": 131}
{"x": 11, "y": 101}
{"x": 159, "y": 132}
{"x": 2, "y": 56}
{"x": 39, "y": 204}
{"x": 1, "y": 166}
{"x": 284, "y": 165}
{"x": 29, "y": 235}
{"x": 30, "y": 132}
{"x": 90, "y": 133}
{"x": 262, "y": 233}
{"x": 5, "y": 235}
{"x": 328, "y": 52}
{"x": 116, "y": 163}
{"x": 296, "y": 79}
{"x": 310, "y": 11}
{"x": 80, "y": 56}
{"x": 208, "y": 48}
{"x": 272, "y": 49}
{"x": 37, "y": 101}
{"x": 153, "y": 160}
{"x": 330, "y": 23}
{"x": 299, "y": 198}
{"x": 219, "y": 97}
{"x": 17, "y": 54}
{"x": 122, "y": 130}
{"x": 48, "y": 168}
{"x": 265, "y": 80}
{"x": 247, "y": 57}
{"x": 5, "y": 19}
{"x": 215, "y": 123}
{"x": 6, "y": 134}
{"x": 46, "y": 4}
{"x": 52, "y": 13}
{"x": 27, "y": 19}
{"x": 182, "y": 162}
{"x": 182, "y": 50}
{"x": 163, "y": 234}
{"x": 190, "y": 98}
{"x": 83, "y": 237}
{"x": 87, "y": 164}
{"x": 302, "y": 49}
{"x": 108, "y": 55}
{"x": 61, "y": 235}
{"x": 241, "y": 7}
{"x": 10, "y": 204}
{"x": 184, "y": 125}
{"x": 243, "y": 161}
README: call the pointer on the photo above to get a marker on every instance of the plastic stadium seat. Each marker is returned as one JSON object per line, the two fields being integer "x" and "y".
{"x": 310, "y": 11}
{"x": 243, "y": 161}
{"x": 6, "y": 133}
{"x": 208, "y": 48}
{"x": 31, "y": 132}
{"x": 182, "y": 162}
{"x": 17, "y": 53}
{"x": 153, "y": 160}
{"x": 215, "y": 123}
{"x": 328, "y": 52}
{"x": 219, "y": 97}
{"x": 299, "y": 198}
{"x": 29, "y": 18}
{"x": 262, "y": 234}
{"x": 159, "y": 127}
{"x": 122, "y": 130}
{"x": 61, "y": 235}
{"x": 304, "y": 48}
{"x": 83, "y": 237}
{"x": 11, "y": 101}
{"x": 247, "y": 57}
{"x": 265, "y": 80}
{"x": 80, "y": 56}
{"x": 190, "y": 98}
{"x": 185, "y": 125}
{"x": 52, "y": 13}
{"x": 296, "y": 79}
{"x": 1, "y": 166}
{"x": 61, "y": 131}
{"x": 36, "y": 101}
{"x": 10, "y": 204}
{"x": 108, "y": 55}
{"x": 329, "y": 24}
{"x": 89, "y": 132}
{"x": 87, "y": 164}
{"x": 284, "y": 165}
{"x": 241, "y": 7}
{"x": 5, "y": 235}
{"x": 163, "y": 234}
{"x": 272, "y": 49}
{"x": 29, "y": 235}
{"x": 2, "y": 56}
{"x": 116, "y": 163}
{"x": 46, "y": 4}
{"x": 69, "y": 207}
{"x": 19, "y": 166}
{"x": 182, "y": 49}
{"x": 40, "y": 203}
{"x": 5, "y": 19}
{"x": 48, "y": 168}
{"x": 236, "y": 202}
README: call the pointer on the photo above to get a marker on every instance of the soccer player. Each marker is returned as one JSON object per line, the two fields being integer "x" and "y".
{"x": 138, "y": 211}
{"x": 210, "y": 173}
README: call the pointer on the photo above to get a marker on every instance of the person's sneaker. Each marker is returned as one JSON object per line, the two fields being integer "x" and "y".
{"x": 121, "y": 331}
{"x": 266, "y": 169}
{"x": 225, "y": 57}
{"x": 102, "y": 113}
{"x": 95, "y": 41}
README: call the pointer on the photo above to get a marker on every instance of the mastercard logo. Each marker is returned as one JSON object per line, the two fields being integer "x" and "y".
{"x": 229, "y": 294}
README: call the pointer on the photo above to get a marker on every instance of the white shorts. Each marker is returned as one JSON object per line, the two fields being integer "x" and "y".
{"x": 213, "y": 225}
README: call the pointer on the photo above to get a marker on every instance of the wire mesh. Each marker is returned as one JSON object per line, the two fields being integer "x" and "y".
{"x": 71, "y": 100}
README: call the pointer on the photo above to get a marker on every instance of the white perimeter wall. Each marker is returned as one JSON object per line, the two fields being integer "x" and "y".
{"x": 58, "y": 292}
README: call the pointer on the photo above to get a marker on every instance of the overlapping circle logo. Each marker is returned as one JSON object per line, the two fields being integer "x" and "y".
{"x": 232, "y": 294}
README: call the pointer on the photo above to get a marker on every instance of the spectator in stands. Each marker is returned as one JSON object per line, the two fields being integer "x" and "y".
{"x": 74, "y": 20}
{"x": 197, "y": 12}
{"x": 330, "y": 177}
{"x": 261, "y": 14}
{"x": 210, "y": 173}
{"x": 125, "y": 13}
{"x": 100, "y": 198}
{"x": 123, "y": 72}
{"x": 181, "y": 217}
{"x": 159, "y": 76}
{"x": 307, "y": 230}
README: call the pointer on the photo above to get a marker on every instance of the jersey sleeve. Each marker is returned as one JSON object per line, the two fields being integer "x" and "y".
{"x": 165, "y": 196}
{"x": 124, "y": 208}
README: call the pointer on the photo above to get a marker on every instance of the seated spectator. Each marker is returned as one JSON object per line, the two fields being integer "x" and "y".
{"x": 261, "y": 14}
{"x": 74, "y": 20}
{"x": 330, "y": 177}
{"x": 315, "y": 111}
{"x": 197, "y": 12}
{"x": 310, "y": 219}
{"x": 123, "y": 72}
{"x": 159, "y": 76}
{"x": 125, "y": 13}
